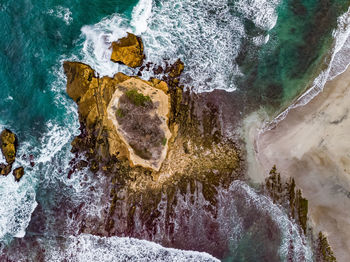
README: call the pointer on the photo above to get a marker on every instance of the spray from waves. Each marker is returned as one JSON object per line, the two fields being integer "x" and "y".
{"x": 93, "y": 248}
{"x": 338, "y": 63}
{"x": 206, "y": 35}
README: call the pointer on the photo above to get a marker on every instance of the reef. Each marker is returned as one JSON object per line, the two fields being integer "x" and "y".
{"x": 8, "y": 144}
{"x": 153, "y": 141}
{"x": 286, "y": 194}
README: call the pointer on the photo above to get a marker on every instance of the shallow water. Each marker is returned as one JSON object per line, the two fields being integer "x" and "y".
{"x": 258, "y": 49}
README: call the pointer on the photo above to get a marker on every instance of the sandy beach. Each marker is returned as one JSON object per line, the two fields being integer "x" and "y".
{"x": 312, "y": 144}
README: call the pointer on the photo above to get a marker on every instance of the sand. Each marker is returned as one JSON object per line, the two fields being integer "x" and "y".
{"x": 312, "y": 144}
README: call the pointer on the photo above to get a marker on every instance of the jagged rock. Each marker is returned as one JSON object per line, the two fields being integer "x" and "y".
{"x": 5, "y": 169}
{"x": 128, "y": 50}
{"x": 287, "y": 195}
{"x": 8, "y": 143}
{"x": 324, "y": 251}
{"x": 18, "y": 173}
{"x": 175, "y": 69}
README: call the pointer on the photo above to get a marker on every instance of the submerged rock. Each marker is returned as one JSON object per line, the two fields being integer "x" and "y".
{"x": 128, "y": 51}
{"x": 8, "y": 143}
{"x": 18, "y": 173}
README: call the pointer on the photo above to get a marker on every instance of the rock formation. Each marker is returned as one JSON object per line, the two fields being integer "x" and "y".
{"x": 128, "y": 51}
{"x": 18, "y": 173}
{"x": 286, "y": 194}
{"x": 152, "y": 141}
{"x": 8, "y": 144}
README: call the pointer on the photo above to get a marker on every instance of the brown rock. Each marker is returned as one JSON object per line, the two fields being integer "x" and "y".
{"x": 5, "y": 169}
{"x": 79, "y": 77}
{"x": 128, "y": 51}
{"x": 175, "y": 69}
{"x": 8, "y": 143}
{"x": 18, "y": 173}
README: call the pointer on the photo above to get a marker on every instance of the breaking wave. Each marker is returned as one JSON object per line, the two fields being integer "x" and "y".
{"x": 206, "y": 35}
{"x": 89, "y": 248}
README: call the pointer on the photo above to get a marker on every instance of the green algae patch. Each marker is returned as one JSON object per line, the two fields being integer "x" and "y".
{"x": 137, "y": 98}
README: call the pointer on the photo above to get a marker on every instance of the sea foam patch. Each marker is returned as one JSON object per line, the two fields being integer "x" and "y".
{"x": 86, "y": 248}
{"x": 207, "y": 35}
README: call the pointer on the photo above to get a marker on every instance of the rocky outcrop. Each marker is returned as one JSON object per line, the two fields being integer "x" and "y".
{"x": 101, "y": 114}
{"x": 140, "y": 113}
{"x": 286, "y": 194}
{"x": 18, "y": 173}
{"x": 128, "y": 51}
{"x": 8, "y": 143}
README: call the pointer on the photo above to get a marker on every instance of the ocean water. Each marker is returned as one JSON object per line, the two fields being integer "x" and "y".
{"x": 266, "y": 51}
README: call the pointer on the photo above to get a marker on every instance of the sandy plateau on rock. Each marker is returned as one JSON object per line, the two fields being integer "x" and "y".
{"x": 162, "y": 111}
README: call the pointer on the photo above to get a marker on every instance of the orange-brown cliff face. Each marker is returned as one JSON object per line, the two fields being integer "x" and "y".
{"x": 128, "y": 51}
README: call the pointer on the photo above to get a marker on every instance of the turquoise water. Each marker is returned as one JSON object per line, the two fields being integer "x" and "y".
{"x": 265, "y": 51}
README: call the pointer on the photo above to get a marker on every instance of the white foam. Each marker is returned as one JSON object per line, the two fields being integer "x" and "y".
{"x": 261, "y": 12}
{"x": 96, "y": 47}
{"x": 140, "y": 15}
{"x": 63, "y": 13}
{"x": 86, "y": 248}
{"x": 290, "y": 231}
{"x": 206, "y": 35}
{"x": 17, "y": 204}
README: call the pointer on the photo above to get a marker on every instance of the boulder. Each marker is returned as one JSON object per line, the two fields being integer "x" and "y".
{"x": 18, "y": 173}
{"x": 8, "y": 143}
{"x": 5, "y": 169}
{"x": 128, "y": 51}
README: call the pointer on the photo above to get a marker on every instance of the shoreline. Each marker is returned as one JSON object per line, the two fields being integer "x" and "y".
{"x": 312, "y": 144}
